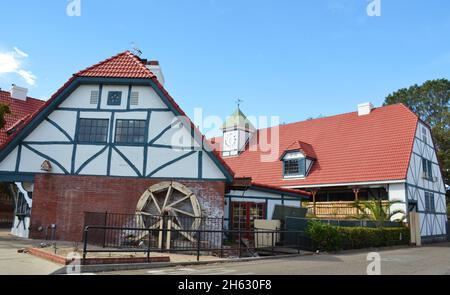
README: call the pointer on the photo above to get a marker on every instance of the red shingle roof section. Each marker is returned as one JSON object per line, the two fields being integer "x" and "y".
{"x": 21, "y": 110}
{"x": 123, "y": 65}
{"x": 303, "y": 147}
{"x": 348, "y": 148}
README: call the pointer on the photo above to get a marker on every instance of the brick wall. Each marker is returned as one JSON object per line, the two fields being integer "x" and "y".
{"x": 62, "y": 200}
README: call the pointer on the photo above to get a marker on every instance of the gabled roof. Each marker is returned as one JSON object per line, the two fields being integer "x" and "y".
{"x": 303, "y": 147}
{"x": 124, "y": 65}
{"x": 21, "y": 110}
{"x": 348, "y": 148}
{"x": 238, "y": 120}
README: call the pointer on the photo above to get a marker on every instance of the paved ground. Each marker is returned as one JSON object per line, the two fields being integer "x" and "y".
{"x": 13, "y": 263}
{"x": 428, "y": 260}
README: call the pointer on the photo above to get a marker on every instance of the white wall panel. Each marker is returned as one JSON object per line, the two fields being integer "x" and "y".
{"x": 80, "y": 98}
{"x": 86, "y": 152}
{"x": 119, "y": 167}
{"x": 46, "y": 132}
{"x": 33, "y": 163}
{"x": 66, "y": 120}
{"x": 134, "y": 154}
{"x": 158, "y": 122}
{"x": 186, "y": 167}
{"x": 57, "y": 152}
{"x": 9, "y": 163}
{"x": 97, "y": 166}
{"x": 210, "y": 170}
{"x": 148, "y": 98}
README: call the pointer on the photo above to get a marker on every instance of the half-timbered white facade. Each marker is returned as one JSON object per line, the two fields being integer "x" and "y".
{"x": 424, "y": 188}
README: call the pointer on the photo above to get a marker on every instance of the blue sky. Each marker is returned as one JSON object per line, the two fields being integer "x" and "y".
{"x": 294, "y": 59}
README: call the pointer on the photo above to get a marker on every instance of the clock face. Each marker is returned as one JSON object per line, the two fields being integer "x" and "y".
{"x": 230, "y": 140}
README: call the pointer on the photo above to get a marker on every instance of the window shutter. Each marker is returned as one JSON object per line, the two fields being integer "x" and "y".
{"x": 95, "y": 94}
{"x": 430, "y": 170}
{"x": 424, "y": 167}
{"x": 134, "y": 98}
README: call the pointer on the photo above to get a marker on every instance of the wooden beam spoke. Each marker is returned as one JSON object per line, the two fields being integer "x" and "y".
{"x": 156, "y": 202}
{"x": 168, "y": 195}
{"x": 183, "y": 212}
{"x": 179, "y": 201}
{"x": 183, "y": 233}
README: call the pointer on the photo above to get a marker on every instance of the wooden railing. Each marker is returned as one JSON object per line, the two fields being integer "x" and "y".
{"x": 334, "y": 210}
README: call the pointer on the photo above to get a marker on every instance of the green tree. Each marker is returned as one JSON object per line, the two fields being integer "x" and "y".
{"x": 430, "y": 101}
{"x": 4, "y": 109}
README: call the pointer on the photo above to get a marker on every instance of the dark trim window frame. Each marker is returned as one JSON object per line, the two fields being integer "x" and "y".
{"x": 427, "y": 168}
{"x": 430, "y": 206}
{"x": 295, "y": 167}
{"x": 130, "y": 131}
{"x": 114, "y": 98}
{"x": 92, "y": 130}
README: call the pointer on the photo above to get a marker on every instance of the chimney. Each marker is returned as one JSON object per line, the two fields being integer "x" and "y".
{"x": 154, "y": 66}
{"x": 365, "y": 109}
{"x": 19, "y": 93}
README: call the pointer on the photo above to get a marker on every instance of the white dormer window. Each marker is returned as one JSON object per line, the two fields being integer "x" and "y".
{"x": 294, "y": 165}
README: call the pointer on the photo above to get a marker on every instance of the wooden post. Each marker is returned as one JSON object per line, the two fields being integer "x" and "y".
{"x": 314, "y": 193}
{"x": 356, "y": 192}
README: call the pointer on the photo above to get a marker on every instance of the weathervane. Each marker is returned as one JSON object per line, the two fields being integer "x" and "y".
{"x": 239, "y": 102}
{"x": 136, "y": 50}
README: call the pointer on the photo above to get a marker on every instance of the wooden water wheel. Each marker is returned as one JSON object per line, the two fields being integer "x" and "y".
{"x": 166, "y": 206}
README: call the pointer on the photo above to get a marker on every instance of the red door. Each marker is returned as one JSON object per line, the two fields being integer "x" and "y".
{"x": 244, "y": 215}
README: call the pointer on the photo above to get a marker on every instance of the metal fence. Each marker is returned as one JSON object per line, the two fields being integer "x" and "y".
{"x": 240, "y": 243}
{"x": 113, "y": 238}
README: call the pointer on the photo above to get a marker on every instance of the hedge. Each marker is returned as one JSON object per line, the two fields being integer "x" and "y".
{"x": 332, "y": 238}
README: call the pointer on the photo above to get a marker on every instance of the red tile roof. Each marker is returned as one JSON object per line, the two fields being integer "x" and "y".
{"x": 303, "y": 147}
{"x": 21, "y": 110}
{"x": 123, "y": 65}
{"x": 348, "y": 148}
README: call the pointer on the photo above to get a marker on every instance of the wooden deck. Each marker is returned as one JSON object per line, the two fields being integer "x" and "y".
{"x": 334, "y": 210}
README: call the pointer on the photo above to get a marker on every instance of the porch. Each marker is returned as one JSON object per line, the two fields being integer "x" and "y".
{"x": 339, "y": 203}
{"x": 334, "y": 210}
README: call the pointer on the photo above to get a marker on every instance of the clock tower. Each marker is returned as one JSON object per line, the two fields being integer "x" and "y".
{"x": 237, "y": 131}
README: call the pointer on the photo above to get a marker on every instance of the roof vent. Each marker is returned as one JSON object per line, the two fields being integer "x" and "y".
{"x": 155, "y": 68}
{"x": 18, "y": 92}
{"x": 365, "y": 109}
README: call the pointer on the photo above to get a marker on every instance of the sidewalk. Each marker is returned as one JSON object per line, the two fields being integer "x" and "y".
{"x": 13, "y": 263}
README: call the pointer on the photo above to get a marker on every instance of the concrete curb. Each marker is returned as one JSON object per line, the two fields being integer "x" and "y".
{"x": 138, "y": 266}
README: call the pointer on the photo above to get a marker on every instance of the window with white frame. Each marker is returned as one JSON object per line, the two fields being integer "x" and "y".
{"x": 294, "y": 165}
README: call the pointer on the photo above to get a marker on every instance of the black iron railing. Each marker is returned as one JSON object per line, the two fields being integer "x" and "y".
{"x": 108, "y": 238}
{"x": 199, "y": 242}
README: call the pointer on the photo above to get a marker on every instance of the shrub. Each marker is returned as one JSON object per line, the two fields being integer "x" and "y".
{"x": 331, "y": 238}
{"x": 325, "y": 237}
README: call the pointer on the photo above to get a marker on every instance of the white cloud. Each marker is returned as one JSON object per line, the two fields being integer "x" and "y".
{"x": 20, "y": 52}
{"x": 11, "y": 63}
